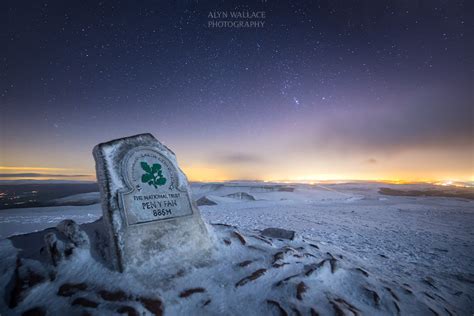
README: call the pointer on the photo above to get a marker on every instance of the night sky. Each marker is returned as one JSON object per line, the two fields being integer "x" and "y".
{"x": 324, "y": 90}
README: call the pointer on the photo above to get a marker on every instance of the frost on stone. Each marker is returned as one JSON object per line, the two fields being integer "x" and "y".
{"x": 73, "y": 232}
{"x": 278, "y": 233}
{"x": 27, "y": 275}
{"x": 149, "y": 215}
{"x": 55, "y": 248}
{"x": 205, "y": 201}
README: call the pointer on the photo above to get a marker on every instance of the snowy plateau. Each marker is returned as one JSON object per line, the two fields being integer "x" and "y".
{"x": 355, "y": 252}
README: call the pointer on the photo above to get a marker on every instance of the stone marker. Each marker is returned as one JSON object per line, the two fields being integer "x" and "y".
{"x": 147, "y": 206}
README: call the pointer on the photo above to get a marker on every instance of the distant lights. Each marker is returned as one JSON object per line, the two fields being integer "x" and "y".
{"x": 453, "y": 183}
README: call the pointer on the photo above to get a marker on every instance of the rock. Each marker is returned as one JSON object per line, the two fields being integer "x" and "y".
{"x": 395, "y": 296}
{"x": 244, "y": 263}
{"x": 301, "y": 288}
{"x": 340, "y": 306}
{"x": 55, "y": 248}
{"x": 240, "y": 238}
{"x": 281, "y": 282}
{"x": 262, "y": 239}
{"x": 74, "y": 233}
{"x": 153, "y": 305}
{"x": 279, "y": 233}
{"x": 82, "y": 301}
{"x": 373, "y": 295}
{"x": 332, "y": 262}
{"x": 190, "y": 292}
{"x": 251, "y": 277}
{"x": 365, "y": 273}
{"x": 315, "y": 267}
{"x": 281, "y": 310}
{"x": 278, "y": 256}
{"x": 205, "y": 201}
{"x": 241, "y": 196}
{"x": 113, "y": 296}
{"x": 69, "y": 289}
{"x": 35, "y": 311}
{"x": 130, "y": 311}
{"x": 25, "y": 277}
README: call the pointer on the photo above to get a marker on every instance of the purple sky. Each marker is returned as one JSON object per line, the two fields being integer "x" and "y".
{"x": 325, "y": 90}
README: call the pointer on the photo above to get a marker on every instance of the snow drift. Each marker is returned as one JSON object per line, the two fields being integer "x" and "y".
{"x": 61, "y": 271}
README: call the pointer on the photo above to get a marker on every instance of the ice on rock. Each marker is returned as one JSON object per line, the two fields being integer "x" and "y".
{"x": 205, "y": 201}
{"x": 278, "y": 233}
{"x": 148, "y": 212}
{"x": 241, "y": 196}
{"x": 55, "y": 248}
{"x": 73, "y": 232}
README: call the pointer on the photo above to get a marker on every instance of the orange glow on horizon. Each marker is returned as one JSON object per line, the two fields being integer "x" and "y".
{"x": 203, "y": 173}
{"x": 31, "y": 169}
{"x": 206, "y": 174}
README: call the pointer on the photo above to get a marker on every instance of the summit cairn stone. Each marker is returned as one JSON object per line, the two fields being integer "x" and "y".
{"x": 147, "y": 206}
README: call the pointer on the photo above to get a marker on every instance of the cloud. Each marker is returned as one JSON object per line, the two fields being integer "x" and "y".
{"x": 41, "y": 175}
{"x": 239, "y": 158}
{"x": 390, "y": 129}
{"x": 371, "y": 161}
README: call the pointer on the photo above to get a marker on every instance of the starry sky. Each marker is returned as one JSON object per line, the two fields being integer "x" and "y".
{"x": 323, "y": 90}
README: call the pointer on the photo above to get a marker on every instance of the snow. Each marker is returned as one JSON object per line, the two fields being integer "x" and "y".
{"x": 423, "y": 244}
{"x": 25, "y": 220}
{"x": 78, "y": 199}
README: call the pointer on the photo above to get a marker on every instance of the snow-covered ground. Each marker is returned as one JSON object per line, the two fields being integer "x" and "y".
{"x": 425, "y": 243}
{"x": 25, "y": 220}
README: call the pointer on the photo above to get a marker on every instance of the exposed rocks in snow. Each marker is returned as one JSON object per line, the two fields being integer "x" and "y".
{"x": 35, "y": 311}
{"x": 115, "y": 296}
{"x": 73, "y": 232}
{"x": 69, "y": 289}
{"x": 26, "y": 276}
{"x": 255, "y": 275}
{"x": 300, "y": 290}
{"x": 205, "y": 201}
{"x": 153, "y": 305}
{"x": 278, "y": 233}
{"x": 280, "y": 309}
{"x": 241, "y": 196}
{"x": 239, "y": 237}
{"x": 228, "y": 188}
{"x": 261, "y": 276}
{"x": 341, "y": 307}
{"x": 262, "y": 239}
{"x": 401, "y": 239}
{"x": 190, "y": 292}
{"x": 245, "y": 263}
{"x": 61, "y": 243}
{"x": 130, "y": 311}
{"x": 55, "y": 248}
{"x": 82, "y": 301}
